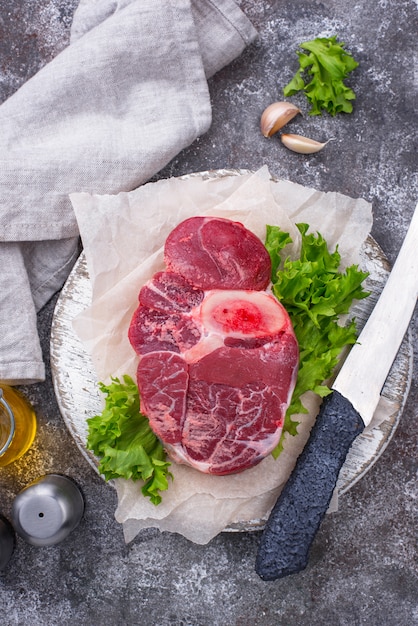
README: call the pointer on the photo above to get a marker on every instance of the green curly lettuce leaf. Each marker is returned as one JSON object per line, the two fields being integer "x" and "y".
{"x": 122, "y": 439}
{"x": 321, "y": 74}
{"x": 315, "y": 294}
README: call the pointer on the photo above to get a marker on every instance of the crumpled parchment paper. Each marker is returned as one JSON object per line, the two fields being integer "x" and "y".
{"x": 123, "y": 245}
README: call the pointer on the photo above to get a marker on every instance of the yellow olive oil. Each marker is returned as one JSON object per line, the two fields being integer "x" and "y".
{"x": 25, "y": 425}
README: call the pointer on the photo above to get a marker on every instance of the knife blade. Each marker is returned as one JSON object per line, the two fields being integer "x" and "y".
{"x": 304, "y": 500}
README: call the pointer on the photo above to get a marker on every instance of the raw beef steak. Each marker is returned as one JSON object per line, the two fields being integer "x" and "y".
{"x": 218, "y": 356}
{"x": 216, "y": 253}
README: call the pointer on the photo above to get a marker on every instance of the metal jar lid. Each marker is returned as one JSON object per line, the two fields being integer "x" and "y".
{"x": 47, "y": 510}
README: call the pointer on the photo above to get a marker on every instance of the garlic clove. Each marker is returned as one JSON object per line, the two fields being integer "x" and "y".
{"x": 303, "y": 145}
{"x": 276, "y": 116}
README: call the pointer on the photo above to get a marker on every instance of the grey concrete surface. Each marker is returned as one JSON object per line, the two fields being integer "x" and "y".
{"x": 363, "y": 566}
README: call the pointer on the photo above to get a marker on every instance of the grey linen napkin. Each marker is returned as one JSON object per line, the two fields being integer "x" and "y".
{"x": 113, "y": 108}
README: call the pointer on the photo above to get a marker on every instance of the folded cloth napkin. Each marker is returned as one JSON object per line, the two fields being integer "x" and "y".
{"x": 113, "y": 108}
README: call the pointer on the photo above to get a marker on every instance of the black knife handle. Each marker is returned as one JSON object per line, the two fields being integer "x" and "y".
{"x": 301, "y": 506}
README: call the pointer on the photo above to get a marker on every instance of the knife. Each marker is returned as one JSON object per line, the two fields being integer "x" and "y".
{"x": 301, "y": 506}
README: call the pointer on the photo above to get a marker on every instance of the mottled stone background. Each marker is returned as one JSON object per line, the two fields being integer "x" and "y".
{"x": 363, "y": 567}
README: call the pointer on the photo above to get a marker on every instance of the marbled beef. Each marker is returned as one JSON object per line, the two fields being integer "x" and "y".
{"x": 218, "y": 356}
